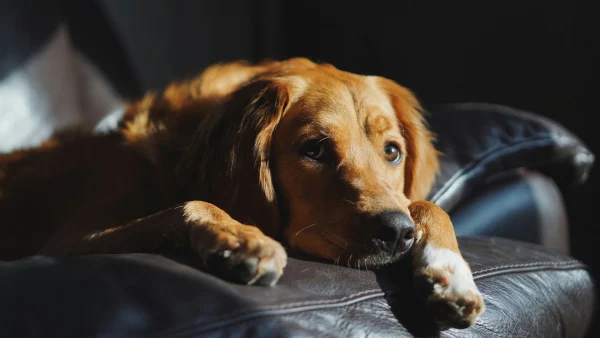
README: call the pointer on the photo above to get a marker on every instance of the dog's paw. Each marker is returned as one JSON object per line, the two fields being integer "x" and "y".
{"x": 451, "y": 293}
{"x": 241, "y": 253}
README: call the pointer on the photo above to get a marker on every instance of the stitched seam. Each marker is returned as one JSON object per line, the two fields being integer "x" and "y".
{"x": 487, "y": 156}
{"x": 527, "y": 271}
{"x": 293, "y": 311}
{"x": 259, "y": 316}
{"x": 259, "y": 312}
{"x": 524, "y": 265}
{"x": 346, "y": 298}
{"x": 235, "y": 318}
{"x": 230, "y": 315}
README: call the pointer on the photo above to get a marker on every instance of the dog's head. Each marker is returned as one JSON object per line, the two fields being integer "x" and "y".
{"x": 328, "y": 158}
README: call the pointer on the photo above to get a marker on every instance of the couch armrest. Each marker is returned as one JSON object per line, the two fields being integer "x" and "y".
{"x": 522, "y": 205}
{"x": 480, "y": 141}
{"x": 528, "y": 291}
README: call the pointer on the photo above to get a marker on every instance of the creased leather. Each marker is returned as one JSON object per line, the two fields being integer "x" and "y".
{"x": 481, "y": 140}
{"x": 529, "y": 292}
{"x": 522, "y": 205}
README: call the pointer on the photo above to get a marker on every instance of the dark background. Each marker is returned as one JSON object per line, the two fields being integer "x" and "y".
{"x": 539, "y": 56}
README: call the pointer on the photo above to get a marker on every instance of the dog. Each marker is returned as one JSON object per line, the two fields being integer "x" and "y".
{"x": 238, "y": 160}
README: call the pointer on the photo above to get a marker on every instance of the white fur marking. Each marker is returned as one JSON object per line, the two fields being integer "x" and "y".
{"x": 458, "y": 273}
{"x": 418, "y": 236}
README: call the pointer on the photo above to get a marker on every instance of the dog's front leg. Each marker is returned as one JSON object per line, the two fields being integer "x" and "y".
{"x": 452, "y": 294}
{"x": 234, "y": 251}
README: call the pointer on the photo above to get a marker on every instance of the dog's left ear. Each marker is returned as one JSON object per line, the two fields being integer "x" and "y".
{"x": 421, "y": 161}
{"x": 229, "y": 159}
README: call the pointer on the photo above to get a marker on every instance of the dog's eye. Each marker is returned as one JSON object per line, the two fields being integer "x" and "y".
{"x": 314, "y": 149}
{"x": 392, "y": 153}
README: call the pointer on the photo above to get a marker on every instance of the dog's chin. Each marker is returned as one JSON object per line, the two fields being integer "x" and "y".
{"x": 363, "y": 256}
{"x": 374, "y": 261}
{"x": 370, "y": 256}
{"x": 371, "y": 259}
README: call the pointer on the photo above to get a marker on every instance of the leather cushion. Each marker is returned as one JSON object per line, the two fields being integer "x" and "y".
{"x": 144, "y": 295}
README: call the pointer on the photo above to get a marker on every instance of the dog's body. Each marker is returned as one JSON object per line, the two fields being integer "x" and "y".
{"x": 331, "y": 163}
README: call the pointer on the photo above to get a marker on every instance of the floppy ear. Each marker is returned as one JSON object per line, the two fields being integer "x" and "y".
{"x": 421, "y": 161}
{"x": 228, "y": 162}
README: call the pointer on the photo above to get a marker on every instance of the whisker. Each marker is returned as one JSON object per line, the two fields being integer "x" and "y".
{"x": 323, "y": 139}
{"x": 350, "y": 258}
{"x": 306, "y": 227}
{"x": 349, "y": 201}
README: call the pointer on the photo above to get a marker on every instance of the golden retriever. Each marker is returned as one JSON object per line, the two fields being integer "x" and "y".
{"x": 237, "y": 160}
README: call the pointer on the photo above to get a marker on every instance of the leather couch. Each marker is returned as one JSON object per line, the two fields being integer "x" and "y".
{"x": 502, "y": 179}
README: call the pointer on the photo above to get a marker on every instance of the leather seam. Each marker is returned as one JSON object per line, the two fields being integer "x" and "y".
{"x": 525, "y": 271}
{"x": 260, "y": 311}
{"x": 246, "y": 315}
{"x": 548, "y": 265}
{"x": 252, "y": 316}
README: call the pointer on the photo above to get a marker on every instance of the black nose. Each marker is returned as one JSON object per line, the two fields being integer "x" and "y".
{"x": 394, "y": 231}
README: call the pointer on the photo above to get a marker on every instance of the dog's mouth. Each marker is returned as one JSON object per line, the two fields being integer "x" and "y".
{"x": 367, "y": 255}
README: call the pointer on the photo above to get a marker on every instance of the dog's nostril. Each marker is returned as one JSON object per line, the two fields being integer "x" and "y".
{"x": 394, "y": 231}
{"x": 405, "y": 241}
{"x": 409, "y": 234}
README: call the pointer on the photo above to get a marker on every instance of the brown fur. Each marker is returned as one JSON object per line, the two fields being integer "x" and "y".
{"x": 228, "y": 138}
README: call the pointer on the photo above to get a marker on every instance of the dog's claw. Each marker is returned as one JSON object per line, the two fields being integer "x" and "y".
{"x": 255, "y": 259}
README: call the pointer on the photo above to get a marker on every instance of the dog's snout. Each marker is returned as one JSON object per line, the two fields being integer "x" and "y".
{"x": 394, "y": 231}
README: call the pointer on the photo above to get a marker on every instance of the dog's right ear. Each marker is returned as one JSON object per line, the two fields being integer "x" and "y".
{"x": 228, "y": 162}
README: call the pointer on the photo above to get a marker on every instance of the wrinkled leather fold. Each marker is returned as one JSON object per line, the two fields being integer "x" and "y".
{"x": 480, "y": 141}
{"x": 529, "y": 291}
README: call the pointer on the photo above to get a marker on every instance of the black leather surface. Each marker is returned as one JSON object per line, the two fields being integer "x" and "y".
{"x": 480, "y": 141}
{"x": 529, "y": 292}
{"x": 522, "y": 205}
